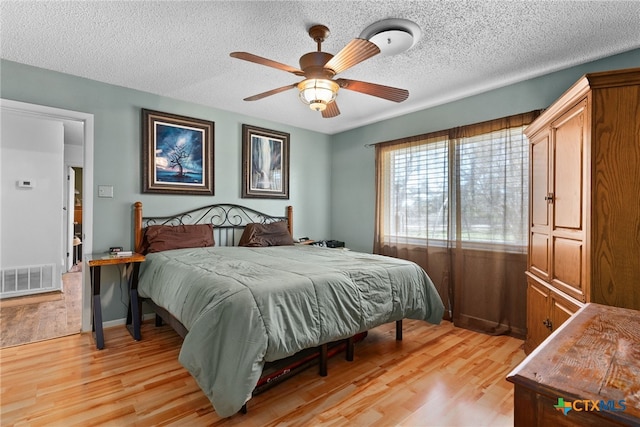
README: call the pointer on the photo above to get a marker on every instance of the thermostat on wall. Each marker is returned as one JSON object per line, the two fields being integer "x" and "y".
{"x": 26, "y": 183}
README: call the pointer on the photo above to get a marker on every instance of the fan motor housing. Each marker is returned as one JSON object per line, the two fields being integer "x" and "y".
{"x": 312, "y": 64}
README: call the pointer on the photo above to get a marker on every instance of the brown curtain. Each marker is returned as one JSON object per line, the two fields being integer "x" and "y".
{"x": 456, "y": 203}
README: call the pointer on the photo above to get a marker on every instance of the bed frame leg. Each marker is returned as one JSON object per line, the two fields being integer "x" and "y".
{"x": 158, "y": 320}
{"x": 398, "y": 330}
{"x": 323, "y": 360}
{"x": 350, "y": 348}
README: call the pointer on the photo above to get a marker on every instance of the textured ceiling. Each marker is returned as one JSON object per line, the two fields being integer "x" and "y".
{"x": 181, "y": 49}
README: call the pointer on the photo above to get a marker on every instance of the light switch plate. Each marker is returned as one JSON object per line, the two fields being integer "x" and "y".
{"x": 105, "y": 191}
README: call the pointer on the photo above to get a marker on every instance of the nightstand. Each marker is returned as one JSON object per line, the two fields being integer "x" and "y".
{"x": 95, "y": 262}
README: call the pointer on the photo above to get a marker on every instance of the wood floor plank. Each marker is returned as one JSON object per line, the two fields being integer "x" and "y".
{"x": 438, "y": 375}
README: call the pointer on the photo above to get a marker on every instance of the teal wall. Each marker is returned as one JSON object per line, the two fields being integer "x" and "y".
{"x": 338, "y": 205}
{"x": 117, "y": 159}
{"x": 353, "y": 204}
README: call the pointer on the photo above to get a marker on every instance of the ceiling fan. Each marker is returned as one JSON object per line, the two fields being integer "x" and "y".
{"x": 319, "y": 89}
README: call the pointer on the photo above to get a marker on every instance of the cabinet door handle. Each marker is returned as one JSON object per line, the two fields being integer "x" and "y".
{"x": 549, "y": 197}
{"x": 547, "y": 323}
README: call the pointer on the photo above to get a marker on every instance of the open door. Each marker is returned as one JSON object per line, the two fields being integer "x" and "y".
{"x": 69, "y": 208}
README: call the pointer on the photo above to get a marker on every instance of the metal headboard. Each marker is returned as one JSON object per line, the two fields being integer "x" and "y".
{"x": 228, "y": 221}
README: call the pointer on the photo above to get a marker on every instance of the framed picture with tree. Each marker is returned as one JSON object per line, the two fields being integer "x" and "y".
{"x": 177, "y": 154}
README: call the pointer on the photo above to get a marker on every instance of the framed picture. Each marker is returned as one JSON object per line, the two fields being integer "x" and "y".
{"x": 177, "y": 154}
{"x": 265, "y": 163}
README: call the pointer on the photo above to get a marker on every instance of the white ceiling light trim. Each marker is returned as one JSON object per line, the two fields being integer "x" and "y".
{"x": 392, "y": 36}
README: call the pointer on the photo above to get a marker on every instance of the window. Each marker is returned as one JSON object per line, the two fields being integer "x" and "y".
{"x": 418, "y": 191}
{"x": 468, "y": 185}
{"x": 493, "y": 184}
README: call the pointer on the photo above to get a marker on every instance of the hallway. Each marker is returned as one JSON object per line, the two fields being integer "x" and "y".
{"x": 42, "y": 317}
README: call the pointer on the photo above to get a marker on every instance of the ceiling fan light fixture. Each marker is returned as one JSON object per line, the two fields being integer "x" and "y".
{"x": 319, "y": 90}
{"x": 318, "y": 93}
{"x": 318, "y": 106}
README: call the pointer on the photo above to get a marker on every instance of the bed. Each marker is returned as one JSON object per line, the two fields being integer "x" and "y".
{"x": 245, "y": 298}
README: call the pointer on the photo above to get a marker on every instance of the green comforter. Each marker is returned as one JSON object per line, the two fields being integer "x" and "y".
{"x": 244, "y": 306}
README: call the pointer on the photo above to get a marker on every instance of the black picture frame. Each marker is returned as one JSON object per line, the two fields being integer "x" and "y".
{"x": 177, "y": 154}
{"x": 265, "y": 163}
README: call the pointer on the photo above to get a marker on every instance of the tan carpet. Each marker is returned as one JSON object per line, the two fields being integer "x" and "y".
{"x": 42, "y": 317}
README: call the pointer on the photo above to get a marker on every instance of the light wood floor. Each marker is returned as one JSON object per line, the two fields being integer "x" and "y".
{"x": 438, "y": 375}
{"x": 44, "y": 316}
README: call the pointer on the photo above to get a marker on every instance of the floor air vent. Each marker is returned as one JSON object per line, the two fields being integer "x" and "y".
{"x": 28, "y": 280}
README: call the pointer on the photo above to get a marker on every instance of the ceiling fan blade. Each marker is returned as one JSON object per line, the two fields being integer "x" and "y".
{"x": 268, "y": 62}
{"x": 270, "y": 92}
{"x": 356, "y": 51}
{"x": 386, "y": 92}
{"x": 332, "y": 110}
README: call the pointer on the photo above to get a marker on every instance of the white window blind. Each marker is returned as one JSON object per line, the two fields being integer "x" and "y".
{"x": 419, "y": 191}
{"x": 492, "y": 179}
{"x": 469, "y": 189}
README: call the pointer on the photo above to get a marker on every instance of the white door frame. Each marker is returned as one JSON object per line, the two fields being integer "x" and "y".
{"x": 87, "y": 187}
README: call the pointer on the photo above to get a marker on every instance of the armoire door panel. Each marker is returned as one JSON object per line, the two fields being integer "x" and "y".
{"x": 540, "y": 180}
{"x": 561, "y": 309}
{"x": 537, "y": 314}
{"x": 568, "y": 169}
{"x": 568, "y": 267}
{"x": 539, "y": 255}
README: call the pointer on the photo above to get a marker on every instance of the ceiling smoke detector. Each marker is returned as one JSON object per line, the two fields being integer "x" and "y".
{"x": 392, "y": 36}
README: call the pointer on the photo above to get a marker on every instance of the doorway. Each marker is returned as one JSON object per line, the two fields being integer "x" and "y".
{"x": 73, "y": 219}
{"x": 84, "y": 122}
{"x": 75, "y": 215}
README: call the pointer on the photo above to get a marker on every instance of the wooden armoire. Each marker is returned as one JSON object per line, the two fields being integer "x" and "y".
{"x": 584, "y": 202}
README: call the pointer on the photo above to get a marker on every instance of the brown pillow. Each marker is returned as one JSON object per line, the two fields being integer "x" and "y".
{"x": 160, "y": 238}
{"x": 274, "y": 234}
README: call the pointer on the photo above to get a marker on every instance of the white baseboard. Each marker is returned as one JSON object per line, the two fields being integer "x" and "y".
{"x": 123, "y": 321}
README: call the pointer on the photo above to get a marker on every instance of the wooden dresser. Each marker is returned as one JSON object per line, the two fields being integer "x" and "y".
{"x": 584, "y": 239}
{"x": 592, "y": 363}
